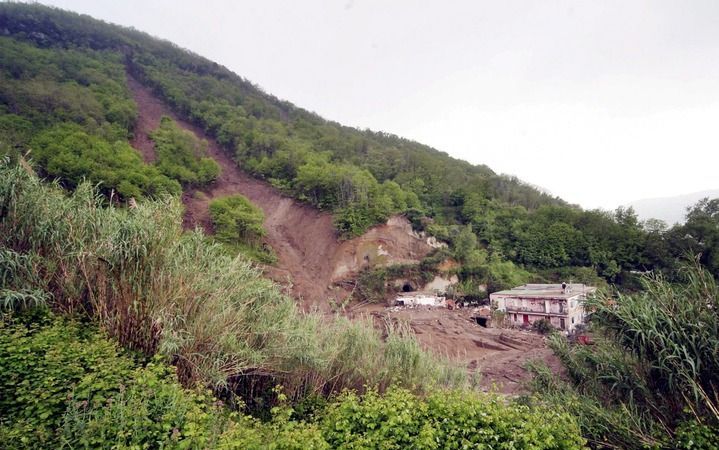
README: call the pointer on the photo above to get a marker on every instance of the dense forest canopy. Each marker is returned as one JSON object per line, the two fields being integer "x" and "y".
{"x": 63, "y": 95}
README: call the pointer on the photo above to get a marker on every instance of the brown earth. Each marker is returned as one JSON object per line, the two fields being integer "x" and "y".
{"x": 300, "y": 235}
{"x": 311, "y": 258}
{"x": 499, "y": 355}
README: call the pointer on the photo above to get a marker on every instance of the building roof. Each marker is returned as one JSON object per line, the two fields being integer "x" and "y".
{"x": 548, "y": 290}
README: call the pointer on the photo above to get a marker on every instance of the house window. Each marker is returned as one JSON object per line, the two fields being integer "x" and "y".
{"x": 515, "y": 317}
{"x": 561, "y": 323}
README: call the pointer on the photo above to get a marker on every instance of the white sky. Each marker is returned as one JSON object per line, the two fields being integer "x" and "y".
{"x": 600, "y": 102}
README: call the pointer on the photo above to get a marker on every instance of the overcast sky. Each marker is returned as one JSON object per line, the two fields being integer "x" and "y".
{"x": 599, "y": 102}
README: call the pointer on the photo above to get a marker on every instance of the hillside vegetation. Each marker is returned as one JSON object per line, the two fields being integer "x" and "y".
{"x": 160, "y": 292}
{"x": 157, "y": 289}
{"x": 120, "y": 328}
{"x": 63, "y": 74}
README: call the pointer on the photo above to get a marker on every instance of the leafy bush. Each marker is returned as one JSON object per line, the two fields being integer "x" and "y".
{"x": 47, "y": 364}
{"x": 150, "y": 408}
{"x": 542, "y": 326}
{"x": 180, "y": 155}
{"x": 65, "y": 385}
{"x": 68, "y": 153}
{"x": 238, "y": 225}
{"x": 237, "y": 220}
{"x": 447, "y": 420}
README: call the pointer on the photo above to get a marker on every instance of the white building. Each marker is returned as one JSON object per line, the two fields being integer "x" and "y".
{"x": 419, "y": 299}
{"x": 561, "y": 304}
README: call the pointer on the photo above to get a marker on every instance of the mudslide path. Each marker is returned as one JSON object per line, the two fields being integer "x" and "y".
{"x": 303, "y": 237}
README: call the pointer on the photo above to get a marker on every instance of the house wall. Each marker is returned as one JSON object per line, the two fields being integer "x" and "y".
{"x": 420, "y": 300}
{"x": 553, "y": 309}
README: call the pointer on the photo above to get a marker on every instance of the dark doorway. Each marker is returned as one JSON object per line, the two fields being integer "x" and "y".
{"x": 482, "y": 321}
{"x": 525, "y": 319}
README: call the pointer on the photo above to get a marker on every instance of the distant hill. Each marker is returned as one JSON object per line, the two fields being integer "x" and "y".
{"x": 669, "y": 209}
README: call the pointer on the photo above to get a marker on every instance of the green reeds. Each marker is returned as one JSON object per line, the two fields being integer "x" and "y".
{"x": 157, "y": 289}
{"x": 653, "y": 368}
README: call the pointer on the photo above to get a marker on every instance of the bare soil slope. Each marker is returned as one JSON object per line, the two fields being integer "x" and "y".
{"x": 311, "y": 259}
{"x": 301, "y": 236}
{"x": 304, "y": 239}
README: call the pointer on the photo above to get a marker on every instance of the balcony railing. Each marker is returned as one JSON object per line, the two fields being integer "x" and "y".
{"x": 524, "y": 310}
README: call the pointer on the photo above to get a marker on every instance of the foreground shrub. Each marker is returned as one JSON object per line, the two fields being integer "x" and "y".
{"x": 150, "y": 409}
{"x": 446, "y": 420}
{"x": 46, "y": 366}
{"x": 65, "y": 385}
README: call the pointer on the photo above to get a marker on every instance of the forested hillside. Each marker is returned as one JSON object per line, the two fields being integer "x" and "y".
{"x": 121, "y": 326}
{"x": 64, "y": 96}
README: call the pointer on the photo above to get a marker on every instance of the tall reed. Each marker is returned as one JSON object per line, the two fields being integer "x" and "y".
{"x": 654, "y": 367}
{"x": 158, "y": 289}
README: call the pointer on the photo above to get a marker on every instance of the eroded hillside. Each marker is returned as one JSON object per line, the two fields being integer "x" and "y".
{"x": 311, "y": 257}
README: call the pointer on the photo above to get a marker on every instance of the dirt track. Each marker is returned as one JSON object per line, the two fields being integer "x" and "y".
{"x": 302, "y": 236}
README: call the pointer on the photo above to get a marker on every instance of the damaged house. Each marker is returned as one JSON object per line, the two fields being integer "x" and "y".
{"x": 561, "y": 304}
{"x": 413, "y": 299}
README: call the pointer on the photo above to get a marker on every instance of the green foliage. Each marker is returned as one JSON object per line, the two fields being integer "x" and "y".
{"x": 447, "y": 420}
{"x": 15, "y": 133}
{"x": 50, "y": 86}
{"x": 694, "y": 436}
{"x": 150, "y": 408}
{"x": 653, "y": 366}
{"x": 238, "y": 225}
{"x": 542, "y": 326}
{"x": 181, "y": 156}
{"x": 465, "y": 244}
{"x": 67, "y": 386}
{"x": 235, "y": 219}
{"x": 159, "y": 290}
{"x": 71, "y": 155}
{"x": 700, "y": 234}
{"x": 46, "y": 367}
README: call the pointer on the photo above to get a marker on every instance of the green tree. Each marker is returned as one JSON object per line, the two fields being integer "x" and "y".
{"x": 237, "y": 220}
